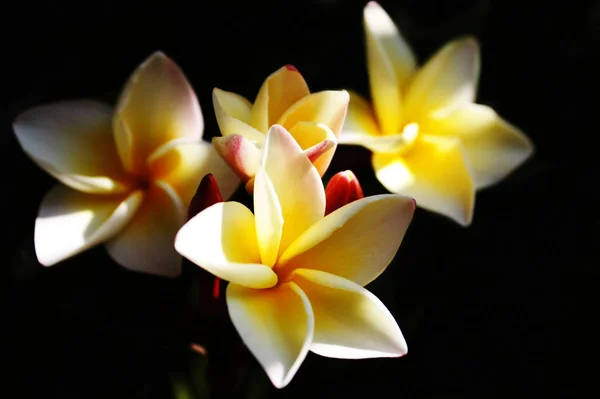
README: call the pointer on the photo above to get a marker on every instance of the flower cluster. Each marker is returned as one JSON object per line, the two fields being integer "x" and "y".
{"x": 297, "y": 263}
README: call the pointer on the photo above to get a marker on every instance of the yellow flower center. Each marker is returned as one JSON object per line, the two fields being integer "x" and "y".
{"x": 410, "y": 134}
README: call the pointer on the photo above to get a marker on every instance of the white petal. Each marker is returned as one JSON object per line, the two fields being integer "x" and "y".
{"x": 73, "y": 141}
{"x": 146, "y": 243}
{"x": 269, "y": 219}
{"x": 296, "y": 182}
{"x": 277, "y": 326}
{"x": 350, "y": 322}
{"x": 69, "y": 221}
{"x": 222, "y": 240}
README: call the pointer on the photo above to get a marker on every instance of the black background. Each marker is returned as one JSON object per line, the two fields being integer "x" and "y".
{"x": 484, "y": 309}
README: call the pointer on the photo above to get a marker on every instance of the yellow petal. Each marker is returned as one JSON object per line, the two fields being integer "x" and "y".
{"x": 279, "y": 91}
{"x": 361, "y": 129}
{"x": 157, "y": 105}
{"x": 233, "y": 116}
{"x": 222, "y": 240}
{"x": 384, "y": 144}
{"x": 383, "y": 32}
{"x": 73, "y": 141}
{"x": 182, "y": 167}
{"x": 360, "y": 117}
{"x": 326, "y": 107}
{"x": 296, "y": 182}
{"x": 269, "y": 219}
{"x": 390, "y": 63}
{"x": 435, "y": 172}
{"x": 69, "y": 222}
{"x": 350, "y": 322}
{"x": 277, "y": 326}
{"x": 146, "y": 243}
{"x": 242, "y": 155}
{"x": 318, "y": 141}
{"x": 447, "y": 81}
{"x": 356, "y": 241}
{"x": 495, "y": 148}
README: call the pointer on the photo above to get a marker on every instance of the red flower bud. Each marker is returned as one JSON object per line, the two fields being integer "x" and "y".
{"x": 207, "y": 194}
{"x": 342, "y": 189}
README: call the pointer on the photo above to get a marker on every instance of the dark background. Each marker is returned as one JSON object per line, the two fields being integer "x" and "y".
{"x": 484, "y": 309}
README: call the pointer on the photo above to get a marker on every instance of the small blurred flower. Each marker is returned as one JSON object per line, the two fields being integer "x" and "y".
{"x": 314, "y": 120}
{"x": 295, "y": 276}
{"x": 127, "y": 176}
{"x": 429, "y": 139}
{"x": 343, "y": 188}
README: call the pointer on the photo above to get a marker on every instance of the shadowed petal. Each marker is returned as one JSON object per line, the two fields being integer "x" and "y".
{"x": 146, "y": 243}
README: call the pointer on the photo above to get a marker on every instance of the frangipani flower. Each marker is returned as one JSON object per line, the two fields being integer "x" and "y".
{"x": 429, "y": 139}
{"x": 343, "y": 188}
{"x": 295, "y": 276}
{"x": 314, "y": 120}
{"x": 126, "y": 176}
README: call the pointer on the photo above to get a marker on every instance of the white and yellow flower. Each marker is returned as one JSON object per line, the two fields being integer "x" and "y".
{"x": 429, "y": 139}
{"x": 296, "y": 276}
{"x": 126, "y": 177}
{"x": 313, "y": 119}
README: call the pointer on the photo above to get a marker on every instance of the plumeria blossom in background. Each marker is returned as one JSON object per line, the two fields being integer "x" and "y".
{"x": 313, "y": 119}
{"x": 296, "y": 276}
{"x": 429, "y": 139}
{"x": 126, "y": 176}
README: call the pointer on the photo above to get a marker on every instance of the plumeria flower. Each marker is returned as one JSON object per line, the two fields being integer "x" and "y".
{"x": 296, "y": 276}
{"x": 343, "y": 188}
{"x": 429, "y": 139}
{"x": 314, "y": 120}
{"x": 126, "y": 176}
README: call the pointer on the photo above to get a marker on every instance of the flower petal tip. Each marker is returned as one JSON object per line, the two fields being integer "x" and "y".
{"x": 372, "y": 4}
{"x": 158, "y": 55}
{"x": 292, "y": 68}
